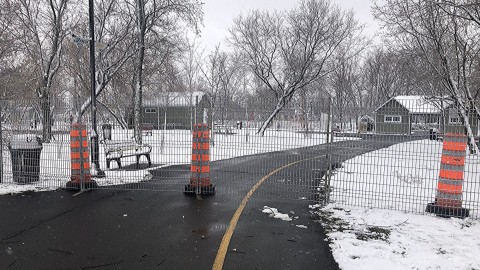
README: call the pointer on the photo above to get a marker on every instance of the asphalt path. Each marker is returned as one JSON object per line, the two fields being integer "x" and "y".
{"x": 132, "y": 229}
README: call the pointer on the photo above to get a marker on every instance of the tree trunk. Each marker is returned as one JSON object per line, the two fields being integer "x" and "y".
{"x": 280, "y": 105}
{"x": 138, "y": 91}
{"x": 137, "y": 103}
{"x": 46, "y": 118}
{"x": 471, "y": 139}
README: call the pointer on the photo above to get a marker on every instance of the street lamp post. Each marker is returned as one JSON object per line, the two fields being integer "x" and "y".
{"x": 93, "y": 106}
{"x": 1, "y": 144}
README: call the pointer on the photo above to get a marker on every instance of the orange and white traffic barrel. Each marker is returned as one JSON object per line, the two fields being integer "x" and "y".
{"x": 448, "y": 200}
{"x": 79, "y": 156}
{"x": 200, "y": 165}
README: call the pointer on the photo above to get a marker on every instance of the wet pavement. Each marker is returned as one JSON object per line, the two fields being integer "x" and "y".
{"x": 126, "y": 229}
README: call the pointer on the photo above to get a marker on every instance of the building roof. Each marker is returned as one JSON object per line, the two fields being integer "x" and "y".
{"x": 418, "y": 104}
{"x": 174, "y": 99}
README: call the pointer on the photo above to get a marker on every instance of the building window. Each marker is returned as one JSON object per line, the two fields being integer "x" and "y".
{"x": 150, "y": 110}
{"x": 454, "y": 120}
{"x": 393, "y": 119}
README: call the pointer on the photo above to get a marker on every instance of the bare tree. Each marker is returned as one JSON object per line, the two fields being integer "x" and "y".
{"x": 464, "y": 9}
{"x": 114, "y": 49}
{"x": 9, "y": 69}
{"x": 40, "y": 27}
{"x": 229, "y": 74}
{"x": 190, "y": 63}
{"x": 449, "y": 44}
{"x": 154, "y": 18}
{"x": 289, "y": 51}
{"x": 7, "y": 39}
{"x": 211, "y": 74}
{"x": 343, "y": 82}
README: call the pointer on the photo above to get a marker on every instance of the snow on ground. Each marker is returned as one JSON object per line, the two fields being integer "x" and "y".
{"x": 401, "y": 177}
{"x": 273, "y": 212}
{"x": 170, "y": 148}
{"x": 362, "y": 236}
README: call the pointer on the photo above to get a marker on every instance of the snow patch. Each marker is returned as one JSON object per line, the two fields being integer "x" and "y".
{"x": 273, "y": 212}
{"x": 382, "y": 239}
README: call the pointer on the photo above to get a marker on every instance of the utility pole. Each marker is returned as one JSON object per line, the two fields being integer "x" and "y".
{"x": 94, "y": 136}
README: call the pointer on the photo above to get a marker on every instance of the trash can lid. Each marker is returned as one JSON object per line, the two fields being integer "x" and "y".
{"x": 25, "y": 141}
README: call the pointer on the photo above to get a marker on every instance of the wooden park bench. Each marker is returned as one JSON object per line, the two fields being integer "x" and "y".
{"x": 115, "y": 150}
{"x": 222, "y": 129}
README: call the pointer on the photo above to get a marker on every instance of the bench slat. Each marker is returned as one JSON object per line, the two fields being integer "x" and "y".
{"x": 115, "y": 150}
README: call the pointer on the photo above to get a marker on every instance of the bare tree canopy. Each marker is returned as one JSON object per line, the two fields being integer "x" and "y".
{"x": 289, "y": 51}
{"x": 446, "y": 40}
{"x": 154, "y": 18}
{"x": 40, "y": 27}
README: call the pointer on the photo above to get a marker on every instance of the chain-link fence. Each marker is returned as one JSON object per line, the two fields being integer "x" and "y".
{"x": 392, "y": 156}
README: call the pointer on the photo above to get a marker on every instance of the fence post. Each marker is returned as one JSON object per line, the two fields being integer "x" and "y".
{"x": 328, "y": 175}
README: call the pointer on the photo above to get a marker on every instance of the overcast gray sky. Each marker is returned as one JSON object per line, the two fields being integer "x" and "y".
{"x": 219, "y": 15}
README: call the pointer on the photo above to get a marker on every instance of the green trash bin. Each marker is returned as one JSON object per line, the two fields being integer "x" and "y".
{"x": 25, "y": 150}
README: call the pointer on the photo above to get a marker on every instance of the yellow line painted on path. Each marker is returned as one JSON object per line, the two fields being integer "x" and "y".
{"x": 222, "y": 250}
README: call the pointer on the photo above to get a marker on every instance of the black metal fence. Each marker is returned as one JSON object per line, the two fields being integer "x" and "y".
{"x": 387, "y": 157}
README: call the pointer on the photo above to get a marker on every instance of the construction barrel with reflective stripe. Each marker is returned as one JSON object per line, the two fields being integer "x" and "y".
{"x": 200, "y": 166}
{"x": 79, "y": 156}
{"x": 448, "y": 200}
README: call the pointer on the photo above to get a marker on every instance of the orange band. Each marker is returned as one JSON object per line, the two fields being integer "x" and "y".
{"x": 76, "y": 165}
{"x": 76, "y": 133}
{"x": 200, "y": 146}
{"x": 200, "y": 169}
{"x": 454, "y": 146}
{"x": 76, "y": 155}
{"x": 76, "y": 144}
{"x": 452, "y": 175}
{"x": 451, "y": 160}
{"x": 452, "y": 189}
{"x": 204, "y": 157}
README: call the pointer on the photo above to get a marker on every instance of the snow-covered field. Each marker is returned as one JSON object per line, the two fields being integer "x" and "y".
{"x": 175, "y": 149}
{"x": 401, "y": 177}
{"x": 365, "y": 237}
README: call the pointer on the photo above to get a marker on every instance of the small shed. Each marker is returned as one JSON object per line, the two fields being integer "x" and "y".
{"x": 176, "y": 110}
{"x": 405, "y": 114}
